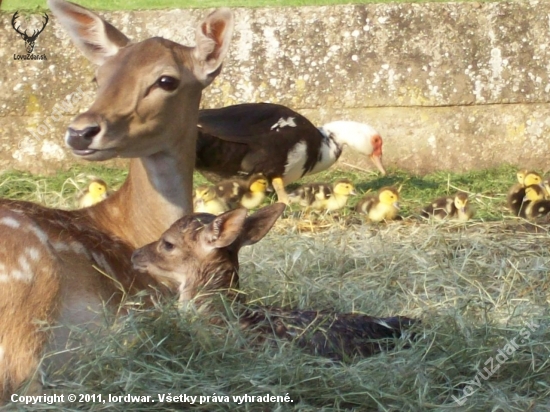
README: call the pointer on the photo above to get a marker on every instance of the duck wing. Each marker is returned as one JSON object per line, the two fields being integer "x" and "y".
{"x": 257, "y": 138}
{"x": 248, "y": 123}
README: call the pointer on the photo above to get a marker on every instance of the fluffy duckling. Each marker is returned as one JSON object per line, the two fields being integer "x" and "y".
{"x": 207, "y": 201}
{"x": 454, "y": 207}
{"x": 307, "y": 194}
{"x": 96, "y": 191}
{"x": 535, "y": 205}
{"x": 276, "y": 141}
{"x": 199, "y": 253}
{"x": 516, "y": 194}
{"x": 248, "y": 194}
{"x": 322, "y": 196}
{"x": 384, "y": 206}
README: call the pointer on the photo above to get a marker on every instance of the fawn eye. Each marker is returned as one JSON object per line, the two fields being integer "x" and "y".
{"x": 168, "y": 83}
{"x": 167, "y": 246}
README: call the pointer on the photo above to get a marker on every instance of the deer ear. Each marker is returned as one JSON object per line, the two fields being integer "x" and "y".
{"x": 213, "y": 38}
{"x": 224, "y": 229}
{"x": 257, "y": 225}
{"x": 96, "y": 38}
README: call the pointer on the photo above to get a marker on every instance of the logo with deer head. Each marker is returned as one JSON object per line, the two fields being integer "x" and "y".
{"x": 29, "y": 40}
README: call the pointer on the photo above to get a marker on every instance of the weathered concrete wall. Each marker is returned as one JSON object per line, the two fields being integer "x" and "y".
{"x": 449, "y": 85}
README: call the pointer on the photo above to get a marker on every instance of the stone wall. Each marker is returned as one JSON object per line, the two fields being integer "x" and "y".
{"x": 449, "y": 85}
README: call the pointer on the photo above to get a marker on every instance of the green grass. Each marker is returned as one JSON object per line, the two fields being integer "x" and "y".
{"x": 12, "y": 5}
{"x": 487, "y": 188}
{"x": 474, "y": 285}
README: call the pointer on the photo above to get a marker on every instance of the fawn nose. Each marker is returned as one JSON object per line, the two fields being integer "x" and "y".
{"x": 80, "y": 139}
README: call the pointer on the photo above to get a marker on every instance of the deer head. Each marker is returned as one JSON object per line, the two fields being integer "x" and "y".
{"x": 29, "y": 40}
{"x": 199, "y": 252}
{"x": 147, "y": 99}
{"x": 144, "y": 87}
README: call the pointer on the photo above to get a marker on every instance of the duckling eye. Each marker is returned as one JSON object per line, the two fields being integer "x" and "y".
{"x": 168, "y": 83}
{"x": 167, "y": 246}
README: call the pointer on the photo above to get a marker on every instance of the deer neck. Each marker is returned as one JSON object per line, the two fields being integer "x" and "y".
{"x": 157, "y": 192}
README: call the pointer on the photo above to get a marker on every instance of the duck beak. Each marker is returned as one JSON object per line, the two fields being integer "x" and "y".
{"x": 396, "y": 205}
{"x": 353, "y": 192}
{"x": 377, "y": 160}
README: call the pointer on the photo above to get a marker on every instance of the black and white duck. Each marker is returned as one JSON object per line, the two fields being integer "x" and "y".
{"x": 277, "y": 142}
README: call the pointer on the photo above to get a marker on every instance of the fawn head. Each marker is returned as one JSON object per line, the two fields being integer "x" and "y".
{"x": 199, "y": 252}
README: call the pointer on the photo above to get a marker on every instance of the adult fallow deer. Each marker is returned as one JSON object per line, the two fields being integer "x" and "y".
{"x": 146, "y": 109}
{"x": 200, "y": 253}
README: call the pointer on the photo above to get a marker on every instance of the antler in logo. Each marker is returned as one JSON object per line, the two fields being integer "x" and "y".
{"x": 29, "y": 40}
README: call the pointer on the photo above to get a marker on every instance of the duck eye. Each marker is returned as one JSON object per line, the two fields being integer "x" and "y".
{"x": 167, "y": 246}
{"x": 168, "y": 83}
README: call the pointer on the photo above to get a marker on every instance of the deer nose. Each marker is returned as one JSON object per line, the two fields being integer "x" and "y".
{"x": 80, "y": 139}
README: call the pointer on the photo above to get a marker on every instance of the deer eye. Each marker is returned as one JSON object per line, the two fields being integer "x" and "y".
{"x": 167, "y": 246}
{"x": 168, "y": 83}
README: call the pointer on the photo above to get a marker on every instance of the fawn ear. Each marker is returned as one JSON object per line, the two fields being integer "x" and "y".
{"x": 258, "y": 224}
{"x": 96, "y": 38}
{"x": 213, "y": 38}
{"x": 223, "y": 230}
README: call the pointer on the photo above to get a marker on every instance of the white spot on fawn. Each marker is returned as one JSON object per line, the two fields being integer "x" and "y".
{"x": 33, "y": 253}
{"x": 102, "y": 263}
{"x": 24, "y": 264}
{"x": 10, "y": 222}
{"x": 73, "y": 246}
{"x": 40, "y": 234}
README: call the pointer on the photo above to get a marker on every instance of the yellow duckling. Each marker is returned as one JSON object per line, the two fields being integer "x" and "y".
{"x": 96, "y": 191}
{"x": 248, "y": 194}
{"x": 207, "y": 201}
{"x": 384, "y": 206}
{"x": 516, "y": 194}
{"x": 341, "y": 191}
{"x": 454, "y": 207}
{"x": 535, "y": 205}
{"x": 321, "y": 196}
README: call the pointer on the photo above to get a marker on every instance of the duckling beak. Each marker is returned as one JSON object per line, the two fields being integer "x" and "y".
{"x": 396, "y": 205}
{"x": 353, "y": 192}
{"x": 377, "y": 160}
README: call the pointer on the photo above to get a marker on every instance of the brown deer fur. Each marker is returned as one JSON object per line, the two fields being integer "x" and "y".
{"x": 63, "y": 267}
{"x": 200, "y": 253}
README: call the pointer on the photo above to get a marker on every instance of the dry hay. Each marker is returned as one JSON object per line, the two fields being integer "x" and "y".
{"x": 475, "y": 286}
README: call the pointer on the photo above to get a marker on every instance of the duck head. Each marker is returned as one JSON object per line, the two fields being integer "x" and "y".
{"x": 258, "y": 184}
{"x": 521, "y": 175}
{"x": 344, "y": 187}
{"x": 389, "y": 196}
{"x": 460, "y": 201}
{"x": 532, "y": 178}
{"x": 205, "y": 193}
{"x": 98, "y": 189}
{"x": 359, "y": 136}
